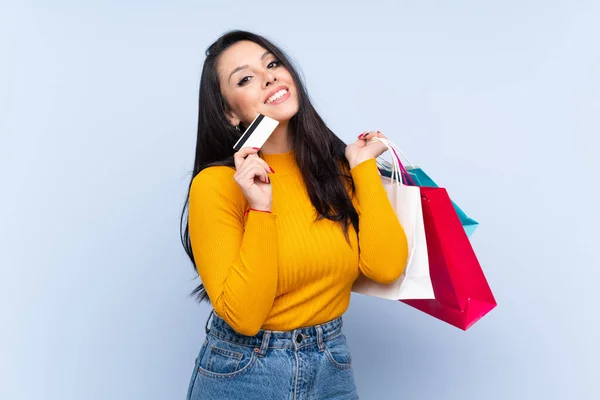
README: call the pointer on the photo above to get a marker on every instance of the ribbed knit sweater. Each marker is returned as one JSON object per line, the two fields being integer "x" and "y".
{"x": 282, "y": 270}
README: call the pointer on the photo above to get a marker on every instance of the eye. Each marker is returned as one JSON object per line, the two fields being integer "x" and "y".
{"x": 274, "y": 64}
{"x": 244, "y": 80}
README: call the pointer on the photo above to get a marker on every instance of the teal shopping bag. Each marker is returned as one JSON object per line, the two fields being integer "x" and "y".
{"x": 420, "y": 178}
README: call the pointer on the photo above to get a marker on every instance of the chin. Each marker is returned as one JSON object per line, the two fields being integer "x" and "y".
{"x": 282, "y": 113}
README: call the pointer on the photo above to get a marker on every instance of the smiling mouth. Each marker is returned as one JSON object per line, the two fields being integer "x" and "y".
{"x": 277, "y": 96}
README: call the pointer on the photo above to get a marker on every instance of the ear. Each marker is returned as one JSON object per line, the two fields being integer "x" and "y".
{"x": 231, "y": 117}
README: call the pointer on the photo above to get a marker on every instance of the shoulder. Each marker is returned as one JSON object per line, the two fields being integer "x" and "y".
{"x": 216, "y": 182}
{"x": 214, "y": 174}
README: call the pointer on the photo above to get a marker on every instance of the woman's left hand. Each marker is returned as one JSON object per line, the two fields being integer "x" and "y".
{"x": 364, "y": 149}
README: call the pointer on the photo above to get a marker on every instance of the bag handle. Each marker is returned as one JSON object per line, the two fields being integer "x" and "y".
{"x": 397, "y": 151}
{"x": 398, "y": 168}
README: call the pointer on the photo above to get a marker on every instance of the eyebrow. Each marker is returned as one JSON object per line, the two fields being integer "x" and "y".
{"x": 241, "y": 67}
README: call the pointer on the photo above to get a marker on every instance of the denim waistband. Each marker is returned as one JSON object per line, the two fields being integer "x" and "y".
{"x": 264, "y": 339}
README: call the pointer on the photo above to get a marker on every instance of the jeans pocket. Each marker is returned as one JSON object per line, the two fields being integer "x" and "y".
{"x": 338, "y": 352}
{"x": 223, "y": 359}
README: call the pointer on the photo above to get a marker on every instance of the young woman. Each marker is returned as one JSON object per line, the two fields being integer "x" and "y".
{"x": 278, "y": 236}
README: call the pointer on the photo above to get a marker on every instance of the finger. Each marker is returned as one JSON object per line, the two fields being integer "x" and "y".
{"x": 240, "y": 156}
{"x": 249, "y": 174}
{"x": 264, "y": 165}
{"x": 250, "y": 171}
{"x": 254, "y": 159}
{"x": 367, "y": 135}
{"x": 372, "y": 134}
{"x": 255, "y": 171}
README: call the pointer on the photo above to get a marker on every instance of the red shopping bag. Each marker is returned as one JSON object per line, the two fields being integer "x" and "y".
{"x": 462, "y": 294}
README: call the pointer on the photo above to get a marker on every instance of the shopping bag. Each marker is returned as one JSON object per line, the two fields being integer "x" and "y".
{"x": 462, "y": 293}
{"x": 422, "y": 179}
{"x": 415, "y": 282}
{"x": 418, "y": 177}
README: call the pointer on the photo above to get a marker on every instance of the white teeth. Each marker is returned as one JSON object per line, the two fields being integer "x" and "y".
{"x": 276, "y": 96}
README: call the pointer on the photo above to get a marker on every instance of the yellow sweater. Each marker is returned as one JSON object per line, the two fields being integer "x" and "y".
{"x": 281, "y": 270}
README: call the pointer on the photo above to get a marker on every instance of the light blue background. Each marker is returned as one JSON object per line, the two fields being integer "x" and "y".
{"x": 498, "y": 101}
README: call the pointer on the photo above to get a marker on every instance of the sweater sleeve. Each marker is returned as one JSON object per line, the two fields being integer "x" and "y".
{"x": 236, "y": 258}
{"x": 382, "y": 241}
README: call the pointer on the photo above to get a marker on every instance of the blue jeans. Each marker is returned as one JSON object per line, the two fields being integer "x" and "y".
{"x": 306, "y": 363}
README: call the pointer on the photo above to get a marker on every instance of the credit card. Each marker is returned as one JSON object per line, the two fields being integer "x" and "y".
{"x": 257, "y": 133}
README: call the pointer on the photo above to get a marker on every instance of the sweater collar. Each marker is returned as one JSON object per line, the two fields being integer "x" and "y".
{"x": 282, "y": 163}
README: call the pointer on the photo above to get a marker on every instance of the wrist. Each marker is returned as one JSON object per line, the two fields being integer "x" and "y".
{"x": 259, "y": 209}
{"x": 358, "y": 161}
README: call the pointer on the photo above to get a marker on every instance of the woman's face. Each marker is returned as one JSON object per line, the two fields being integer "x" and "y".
{"x": 254, "y": 82}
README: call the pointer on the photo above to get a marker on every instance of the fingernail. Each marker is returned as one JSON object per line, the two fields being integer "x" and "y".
{"x": 272, "y": 170}
{"x": 256, "y": 148}
{"x": 378, "y": 132}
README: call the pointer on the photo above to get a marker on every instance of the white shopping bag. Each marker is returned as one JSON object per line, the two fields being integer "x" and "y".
{"x": 415, "y": 282}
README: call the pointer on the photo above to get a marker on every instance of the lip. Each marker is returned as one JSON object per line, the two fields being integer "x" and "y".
{"x": 277, "y": 89}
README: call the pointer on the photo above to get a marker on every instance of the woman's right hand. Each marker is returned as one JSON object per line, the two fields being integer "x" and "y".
{"x": 252, "y": 177}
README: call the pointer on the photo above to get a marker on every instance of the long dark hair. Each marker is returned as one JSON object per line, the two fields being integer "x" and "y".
{"x": 319, "y": 152}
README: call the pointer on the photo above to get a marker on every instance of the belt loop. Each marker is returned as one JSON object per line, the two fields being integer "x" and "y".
{"x": 320, "y": 341}
{"x": 265, "y": 343}
{"x": 208, "y": 320}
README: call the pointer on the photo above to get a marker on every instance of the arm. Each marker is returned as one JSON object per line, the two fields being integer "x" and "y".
{"x": 382, "y": 242}
{"x": 237, "y": 264}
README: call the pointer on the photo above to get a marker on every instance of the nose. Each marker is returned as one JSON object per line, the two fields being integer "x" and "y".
{"x": 270, "y": 79}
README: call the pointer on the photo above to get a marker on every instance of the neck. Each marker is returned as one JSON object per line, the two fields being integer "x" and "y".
{"x": 279, "y": 141}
